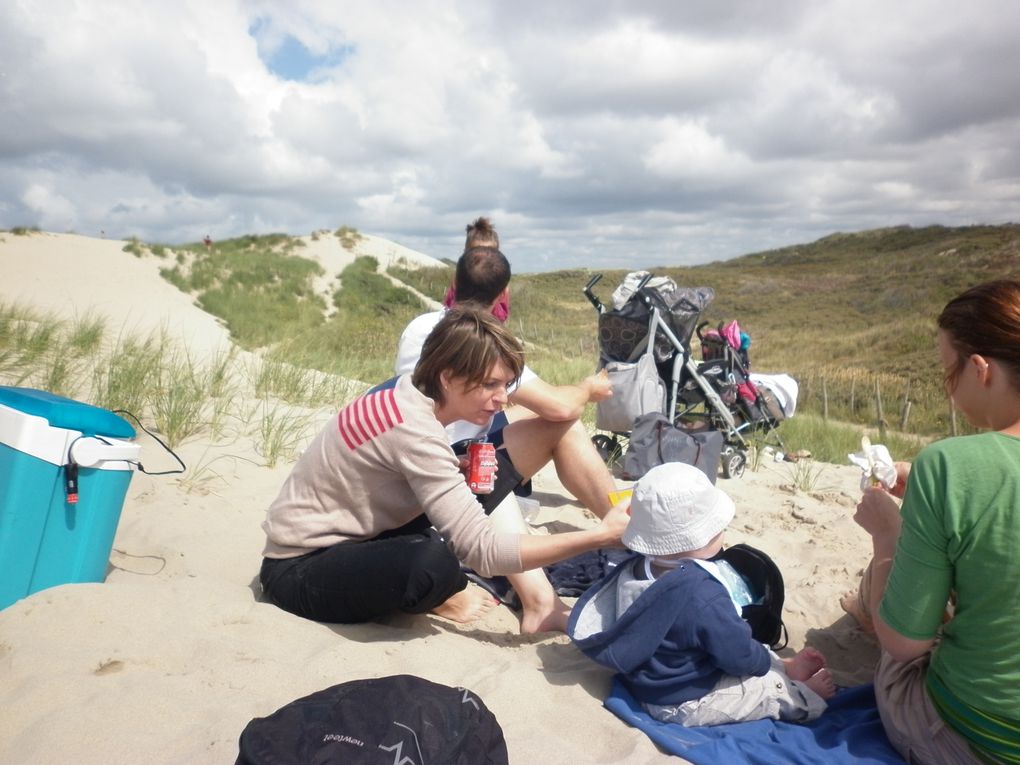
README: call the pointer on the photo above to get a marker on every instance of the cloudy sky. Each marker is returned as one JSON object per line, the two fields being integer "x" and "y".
{"x": 598, "y": 133}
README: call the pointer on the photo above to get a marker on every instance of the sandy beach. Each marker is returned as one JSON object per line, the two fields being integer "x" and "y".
{"x": 168, "y": 660}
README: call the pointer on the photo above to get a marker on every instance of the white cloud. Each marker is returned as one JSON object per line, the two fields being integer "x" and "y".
{"x": 596, "y": 133}
{"x": 52, "y": 209}
{"x": 688, "y": 151}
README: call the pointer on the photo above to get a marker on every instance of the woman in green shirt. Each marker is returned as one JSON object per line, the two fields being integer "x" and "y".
{"x": 949, "y": 691}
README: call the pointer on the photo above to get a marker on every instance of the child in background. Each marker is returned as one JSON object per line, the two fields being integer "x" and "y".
{"x": 668, "y": 619}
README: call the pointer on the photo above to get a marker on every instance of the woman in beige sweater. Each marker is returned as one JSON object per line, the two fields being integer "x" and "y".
{"x": 376, "y": 516}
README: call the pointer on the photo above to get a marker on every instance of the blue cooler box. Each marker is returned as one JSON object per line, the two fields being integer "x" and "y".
{"x": 45, "y": 539}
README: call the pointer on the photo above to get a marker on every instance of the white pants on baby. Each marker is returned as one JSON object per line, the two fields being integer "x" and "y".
{"x": 741, "y": 699}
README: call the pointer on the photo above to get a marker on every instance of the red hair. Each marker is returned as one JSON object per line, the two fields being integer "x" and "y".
{"x": 985, "y": 320}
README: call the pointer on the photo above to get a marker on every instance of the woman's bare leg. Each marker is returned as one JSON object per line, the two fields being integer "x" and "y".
{"x": 542, "y": 609}
{"x": 853, "y": 604}
{"x": 532, "y": 442}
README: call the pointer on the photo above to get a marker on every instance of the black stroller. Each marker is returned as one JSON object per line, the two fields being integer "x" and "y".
{"x": 645, "y": 345}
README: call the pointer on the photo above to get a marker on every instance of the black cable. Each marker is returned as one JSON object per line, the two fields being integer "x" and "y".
{"x": 158, "y": 440}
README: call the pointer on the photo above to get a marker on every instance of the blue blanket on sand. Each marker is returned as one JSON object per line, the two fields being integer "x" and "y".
{"x": 849, "y": 732}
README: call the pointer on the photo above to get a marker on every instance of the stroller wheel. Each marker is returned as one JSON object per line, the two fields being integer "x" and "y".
{"x": 607, "y": 447}
{"x": 733, "y": 462}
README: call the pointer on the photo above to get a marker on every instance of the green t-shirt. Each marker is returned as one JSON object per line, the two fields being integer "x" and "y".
{"x": 961, "y": 531}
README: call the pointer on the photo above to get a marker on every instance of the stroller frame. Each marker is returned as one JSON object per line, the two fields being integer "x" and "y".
{"x": 757, "y": 418}
{"x": 716, "y": 415}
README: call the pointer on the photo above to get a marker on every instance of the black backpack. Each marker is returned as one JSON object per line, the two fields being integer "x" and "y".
{"x": 399, "y": 719}
{"x": 765, "y": 581}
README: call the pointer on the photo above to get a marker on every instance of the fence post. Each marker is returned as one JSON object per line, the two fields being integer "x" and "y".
{"x": 825, "y": 400}
{"x": 853, "y": 407}
{"x": 878, "y": 407}
{"x": 905, "y": 412}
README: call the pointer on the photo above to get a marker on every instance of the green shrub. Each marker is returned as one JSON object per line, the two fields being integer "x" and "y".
{"x": 261, "y": 293}
{"x": 348, "y": 237}
{"x": 431, "y": 282}
{"x": 134, "y": 247}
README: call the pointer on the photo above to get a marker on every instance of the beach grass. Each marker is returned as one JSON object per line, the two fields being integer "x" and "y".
{"x": 156, "y": 380}
{"x": 300, "y": 385}
{"x": 806, "y": 475}
{"x": 831, "y": 441}
{"x": 279, "y": 431}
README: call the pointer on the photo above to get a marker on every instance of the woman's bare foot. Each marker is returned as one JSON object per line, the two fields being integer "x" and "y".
{"x": 851, "y": 603}
{"x": 804, "y": 664}
{"x": 467, "y": 605}
{"x": 821, "y": 682}
{"x": 551, "y": 617}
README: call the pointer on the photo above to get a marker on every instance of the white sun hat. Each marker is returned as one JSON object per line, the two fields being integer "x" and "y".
{"x": 675, "y": 509}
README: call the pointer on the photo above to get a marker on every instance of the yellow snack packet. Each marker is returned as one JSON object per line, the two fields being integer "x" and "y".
{"x": 615, "y": 497}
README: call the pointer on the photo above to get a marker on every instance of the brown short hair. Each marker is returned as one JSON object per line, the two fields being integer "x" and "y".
{"x": 467, "y": 342}
{"x": 985, "y": 320}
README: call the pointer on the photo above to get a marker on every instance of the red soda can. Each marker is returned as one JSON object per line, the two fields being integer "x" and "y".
{"x": 481, "y": 467}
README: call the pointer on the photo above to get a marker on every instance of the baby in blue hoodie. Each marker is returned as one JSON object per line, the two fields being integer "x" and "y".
{"x": 668, "y": 619}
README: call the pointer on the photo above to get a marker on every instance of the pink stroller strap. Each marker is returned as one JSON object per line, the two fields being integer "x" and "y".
{"x": 501, "y": 310}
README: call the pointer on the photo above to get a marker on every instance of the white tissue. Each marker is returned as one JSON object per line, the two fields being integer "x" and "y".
{"x": 876, "y": 465}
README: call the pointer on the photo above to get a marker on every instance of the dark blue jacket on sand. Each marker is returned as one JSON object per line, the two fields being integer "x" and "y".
{"x": 675, "y": 641}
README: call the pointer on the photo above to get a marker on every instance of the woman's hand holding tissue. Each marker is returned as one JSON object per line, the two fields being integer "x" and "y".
{"x": 877, "y": 466}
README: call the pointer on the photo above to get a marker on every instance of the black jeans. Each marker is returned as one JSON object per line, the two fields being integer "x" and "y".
{"x": 409, "y": 569}
{"x": 406, "y": 570}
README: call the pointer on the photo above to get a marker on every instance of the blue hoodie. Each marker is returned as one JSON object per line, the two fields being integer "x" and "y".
{"x": 675, "y": 641}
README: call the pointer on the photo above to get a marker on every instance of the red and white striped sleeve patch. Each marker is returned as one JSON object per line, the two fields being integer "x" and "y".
{"x": 368, "y": 417}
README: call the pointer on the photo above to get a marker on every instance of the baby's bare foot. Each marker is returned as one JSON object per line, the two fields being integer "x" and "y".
{"x": 467, "y": 605}
{"x": 851, "y": 603}
{"x": 805, "y": 664}
{"x": 821, "y": 682}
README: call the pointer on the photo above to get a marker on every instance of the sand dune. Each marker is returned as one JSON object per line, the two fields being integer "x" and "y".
{"x": 77, "y": 276}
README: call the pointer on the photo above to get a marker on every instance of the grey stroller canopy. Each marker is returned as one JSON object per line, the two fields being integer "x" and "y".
{"x": 623, "y": 328}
